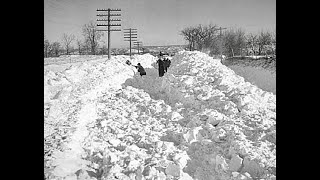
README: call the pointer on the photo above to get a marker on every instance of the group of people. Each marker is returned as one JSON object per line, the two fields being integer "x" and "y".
{"x": 163, "y": 65}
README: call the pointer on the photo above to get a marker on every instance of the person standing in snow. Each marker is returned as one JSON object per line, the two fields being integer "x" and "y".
{"x": 141, "y": 70}
{"x": 160, "y": 66}
{"x": 167, "y": 63}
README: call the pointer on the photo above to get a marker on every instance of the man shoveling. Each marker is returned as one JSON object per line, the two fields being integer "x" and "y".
{"x": 141, "y": 70}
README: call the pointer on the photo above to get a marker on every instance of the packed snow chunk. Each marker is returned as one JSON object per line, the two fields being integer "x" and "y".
{"x": 221, "y": 163}
{"x": 181, "y": 159}
{"x": 252, "y": 167}
{"x": 235, "y": 163}
{"x": 70, "y": 166}
{"x": 133, "y": 165}
{"x": 176, "y": 116}
{"x": 115, "y": 142}
{"x": 46, "y": 94}
{"x": 189, "y": 81}
{"x": 173, "y": 170}
{"x": 76, "y": 74}
{"x": 235, "y": 174}
{"x": 212, "y": 116}
{"x": 193, "y": 135}
{"x": 84, "y": 175}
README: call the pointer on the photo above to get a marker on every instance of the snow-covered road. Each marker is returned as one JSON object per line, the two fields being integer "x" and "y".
{"x": 199, "y": 121}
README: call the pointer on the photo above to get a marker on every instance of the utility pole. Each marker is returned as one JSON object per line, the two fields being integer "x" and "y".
{"x": 109, "y": 25}
{"x": 138, "y": 43}
{"x": 131, "y": 34}
{"x": 221, "y": 41}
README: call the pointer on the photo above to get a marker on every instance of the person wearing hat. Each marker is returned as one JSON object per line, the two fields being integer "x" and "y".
{"x": 167, "y": 63}
{"x": 141, "y": 70}
{"x": 160, "y": 65}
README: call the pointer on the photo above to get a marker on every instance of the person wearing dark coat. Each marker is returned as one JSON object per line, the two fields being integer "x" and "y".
{"x": 141, "y": 70}
{"x": 166, "y": 64}
{"x": 160, "y": 67}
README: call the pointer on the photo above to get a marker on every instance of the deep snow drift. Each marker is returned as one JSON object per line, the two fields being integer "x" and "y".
{"x": 199, "y": 121}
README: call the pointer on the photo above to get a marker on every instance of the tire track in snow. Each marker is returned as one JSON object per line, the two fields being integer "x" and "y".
{"x": 68, "y": 162}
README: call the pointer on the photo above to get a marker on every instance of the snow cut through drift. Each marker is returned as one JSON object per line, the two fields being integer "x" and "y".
{"x": 199, "y": 121}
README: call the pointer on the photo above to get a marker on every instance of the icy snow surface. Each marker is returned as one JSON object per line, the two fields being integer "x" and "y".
{"x": 199, "y": 121}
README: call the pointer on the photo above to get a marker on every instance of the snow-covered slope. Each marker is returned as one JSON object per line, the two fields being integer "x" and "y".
{"x": 199, "y": 121}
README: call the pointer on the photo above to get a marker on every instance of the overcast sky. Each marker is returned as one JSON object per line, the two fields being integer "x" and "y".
{"x": 159, "y": 22}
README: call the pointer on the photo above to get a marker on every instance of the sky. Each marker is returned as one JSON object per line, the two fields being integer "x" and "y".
{"x": 158, "y": 22}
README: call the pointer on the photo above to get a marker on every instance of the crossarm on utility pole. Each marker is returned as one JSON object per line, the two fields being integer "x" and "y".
{"x": 108, "y": 20}
{"x": 131, "y": 35}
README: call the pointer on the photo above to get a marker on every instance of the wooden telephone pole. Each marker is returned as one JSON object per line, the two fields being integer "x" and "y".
{"x": 109, "y": 25}
{"x": 139, "y": 44}
{"x": 131, "y": 34}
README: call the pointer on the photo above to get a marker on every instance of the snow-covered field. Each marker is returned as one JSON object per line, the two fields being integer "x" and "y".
{"x": 199, "y": 121}
{"x": 263, "y": 78}
{"x": 261, "y": 73}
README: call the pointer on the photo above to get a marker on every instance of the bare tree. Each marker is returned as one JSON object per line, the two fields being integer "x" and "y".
{"x": 201, "y": 37}
{"x": 211, "y": 36}
{"x": 79, "y": 44}
{"x": 264, "y": 40}
{"x": 56, "y": 48}
{"x": 252, "y": 42}
{"x": 46, "y": 47}
{"x": 240, "y": 41}
{"x": 50, "y": 50}
{"x": 67, "y": 40}
{"x": 207, "y": 38}
{"x": 229, "y": 42}
{"x": 189, "y": 35}
{"x": 86, "y": 47}
{"x": 91, "y": 36}
{"x": 104, "y": 50}
{"x": 274, "y": 41}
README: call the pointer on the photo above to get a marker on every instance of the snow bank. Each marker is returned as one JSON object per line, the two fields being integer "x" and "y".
{"x": 199, "y": 121}
{"x": 206, "y": 94}
{"x": 70, "y": 59}
{"x": 61, "y": 87}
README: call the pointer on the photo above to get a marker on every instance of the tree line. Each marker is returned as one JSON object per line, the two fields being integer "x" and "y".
{"x": 230, "y": 42}
{"x": 88, "y": 44}
{"x": 206, "y": 38}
